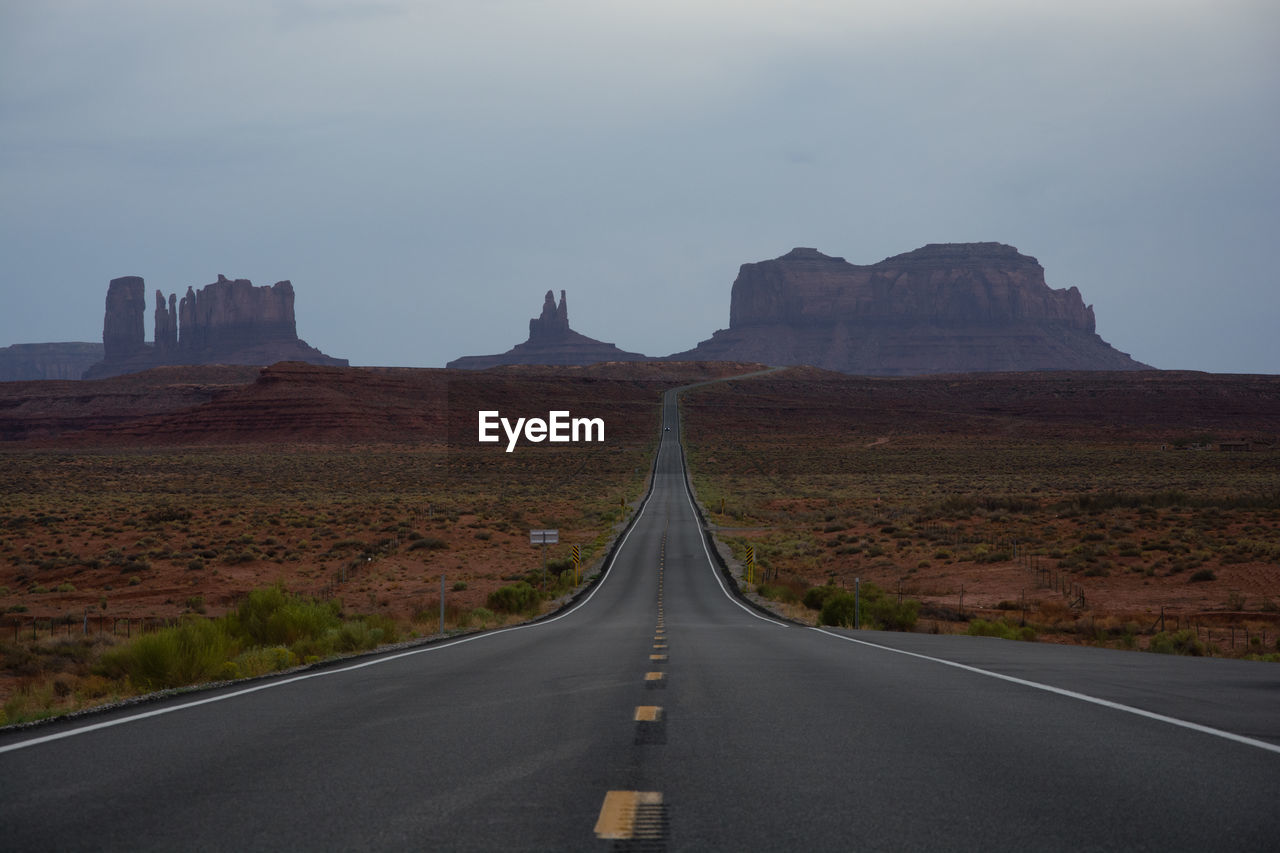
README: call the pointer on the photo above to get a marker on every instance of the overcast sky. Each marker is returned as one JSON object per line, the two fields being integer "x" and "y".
{"x": 424, "y": 171}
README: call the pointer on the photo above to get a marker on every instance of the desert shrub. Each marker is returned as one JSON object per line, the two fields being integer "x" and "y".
{"x": 459, "y": 586}
{"x": 513, "y": 598}
{"x": 778, "y": 592}
{"x": 431, "y": 543}
{"x": 1202, "y": 576}
{"x": 959, "y": 506}
{"x": 382, "y": 629}
{"x": 1000, "y": 628}
{"x": 888, "y": 614}
{"x": 169, "y": 513}
{"x": 259, "y": 660}
{"x": 816, "y": 596}
{"x": 271, "y": 616}
{"x": 876, "y": 609}
{"x": 193, "y": 651}
{"x": 1179, "y": 643}
{"x": 481, "y": 616}
{"x": 838, "y": 609}
{"x": 353, "y": 635}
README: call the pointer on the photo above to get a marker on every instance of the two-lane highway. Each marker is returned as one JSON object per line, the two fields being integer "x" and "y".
{"x": 662, "y": 713}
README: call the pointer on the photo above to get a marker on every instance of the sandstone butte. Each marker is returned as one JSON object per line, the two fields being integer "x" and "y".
{"x": 552, "y": 342}
{"x": 943, "y": 308}
{"x": 227, "y": 322}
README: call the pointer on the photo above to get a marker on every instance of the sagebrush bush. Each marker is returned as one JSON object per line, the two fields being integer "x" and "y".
{"x": 875, "y": 609}
{"x": 260, "y": 661}
{"x": 778, "y": 592}
{"x": 888, "y": 615}
{"x": 271, "y": 630}
{"x": 1183, "y": 642}
{"x": 816, "y": 596}
{"x": 513, "y": 598}
{"x": 838, "y": 609}
{"x": 271, "y": 616}
{"x": 191, "y": 652}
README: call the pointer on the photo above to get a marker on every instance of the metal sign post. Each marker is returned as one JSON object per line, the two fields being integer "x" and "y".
{"x": 857, "y": 607}
{"x": 545, "y": 538}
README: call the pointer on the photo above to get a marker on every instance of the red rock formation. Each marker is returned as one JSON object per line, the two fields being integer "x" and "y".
{"x": 945, "y": 308}
{"x": 551, "y": 341}
{"x": 227, "y": 322}
{"x": 26, "y": 362}
{"x": 122, "y": 333}
{"x": 166, "y": 324}
{"x": 235, "y": 313}
{"x": 553, "y": 322}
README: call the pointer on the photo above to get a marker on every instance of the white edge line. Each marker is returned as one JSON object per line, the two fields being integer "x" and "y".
{"x": 702, "y": 537}
{"x": 336, "y": 671}
{"x": 1071, "y": 694}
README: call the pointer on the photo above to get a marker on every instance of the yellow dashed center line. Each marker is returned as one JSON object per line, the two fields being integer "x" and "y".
{"x": 648, "y": 713}
{"x": 657, "y": 657}
{"x": 618, "y": 812}
{"x": 654, "y": 676}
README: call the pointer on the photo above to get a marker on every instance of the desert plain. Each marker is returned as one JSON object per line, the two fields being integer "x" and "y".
{"x": 1135, "y": 510}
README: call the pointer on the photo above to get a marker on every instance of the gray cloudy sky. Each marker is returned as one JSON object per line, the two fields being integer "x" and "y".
{"x": 424, "y": 171}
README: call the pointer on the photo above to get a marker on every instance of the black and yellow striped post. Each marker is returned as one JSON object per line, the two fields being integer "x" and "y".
{"x": 751, "y": 564}
{"x": 577, "y": 561}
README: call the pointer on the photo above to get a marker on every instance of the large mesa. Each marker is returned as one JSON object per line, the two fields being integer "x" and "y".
{"x": 943, "y": 308}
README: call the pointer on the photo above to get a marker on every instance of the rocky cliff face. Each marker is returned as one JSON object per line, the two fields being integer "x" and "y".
{"x": 227, "y": 322}
{"x": 233, "y": 314}
{"x": 26, "y": 362}
{"x": 551, "y": 341}
{"x": 122, "y": 334}
{"x": 553, "y": 323}
{"x": 944, "y": 308}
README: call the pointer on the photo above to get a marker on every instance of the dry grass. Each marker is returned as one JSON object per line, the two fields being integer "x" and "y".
{"x": 1014, "y": 524}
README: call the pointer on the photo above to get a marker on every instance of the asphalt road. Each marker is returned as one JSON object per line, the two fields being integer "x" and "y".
{"x": 662, "y": 709}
